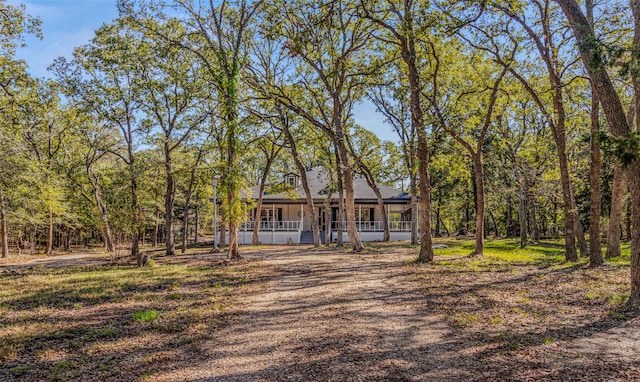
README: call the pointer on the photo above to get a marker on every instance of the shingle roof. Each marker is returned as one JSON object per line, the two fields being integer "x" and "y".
{"x": 318, "y": 184}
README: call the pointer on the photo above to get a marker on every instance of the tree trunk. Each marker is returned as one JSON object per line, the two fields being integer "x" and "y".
{"x": 340, "y": 222}
{"x": 408, "y": 53}
{"x": 156, "y": 227}
{"x": 426, "y": 242}
{"x": 352, "y": 230}
{"x": 49, "y": 249}
{"x": 534, "y": 221}
{"x": 446, "y": 230}
{"x": 614, "y": 232}
{"x": 634, "y": 186}
{"x": 4, "y": 234}
{"x": 510, "y": 230}
{"x": 612, "y": 107}
{"x": 315, "y": 229}
{"x": 32, "y": 240}
{"x": 168, "y": 203}
{"x": 347, "y": 171}
{"x": 634, "y": 176}
{"x": 376, "y": 190}
{"x": 234, "y": 251}
{"x": 102, "y": 211}
{"x": 495, "y": 224}
{"x": 222, "y": 233}
{"x": 106, "y": 227}
{"x": 263, "y": 181}
{"x": 196, "y": 237}
{"x": 595, "y": 205}
{"x": 185, "y": 222}
{"x": 414, "y": 210}
{"x": 480, "y": 203}
{"x": 437, "y": 234}
{"x": 467, "y": 213}
{"x": 522, "y": 218}
{"x": 255, "y": 240}
{"x": 567, "y": 201}
{"x": 580, "y": 236}
{"x": 549, "y": 56}
{"x": 327, "y": 219}
{"x": 628, "y": 223}
{"x": 137, "y": 213}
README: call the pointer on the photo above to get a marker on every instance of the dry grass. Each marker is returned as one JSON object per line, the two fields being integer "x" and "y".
{"x": 302, "y": 314}
{"x": 94, "y": 322}
{"x": 529, "y": 309}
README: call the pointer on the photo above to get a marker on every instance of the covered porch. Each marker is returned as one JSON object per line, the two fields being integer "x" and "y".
{"x": 290, "y": 223}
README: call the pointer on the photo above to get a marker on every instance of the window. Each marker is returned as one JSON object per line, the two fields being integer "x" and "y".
{"x": 267, "y": 215}
{"x": 365, "y": 214}
{"x": 291, "y": 180}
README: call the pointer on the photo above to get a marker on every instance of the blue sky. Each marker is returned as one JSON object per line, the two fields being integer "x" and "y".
{"x": 67, "y": 24}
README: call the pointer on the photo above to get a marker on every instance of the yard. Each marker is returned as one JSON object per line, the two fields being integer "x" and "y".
{"x": 295, "y": 313}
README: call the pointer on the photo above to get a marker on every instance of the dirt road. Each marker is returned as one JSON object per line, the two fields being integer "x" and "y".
{"x": 330, "y": 316}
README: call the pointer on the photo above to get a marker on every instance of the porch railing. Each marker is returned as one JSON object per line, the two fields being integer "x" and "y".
{"x": 400, "y": 226}
{"x": 271, "y": 226}
{"x": 374, "y": 226}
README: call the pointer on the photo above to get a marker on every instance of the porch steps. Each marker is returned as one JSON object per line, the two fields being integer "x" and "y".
{"x": 306, "y": 237}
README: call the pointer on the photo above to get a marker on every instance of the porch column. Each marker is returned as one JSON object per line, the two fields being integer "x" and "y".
{"x": 301, "y": 217}
{"x": 273, "y": 223}
{"x": 359, "y": 217}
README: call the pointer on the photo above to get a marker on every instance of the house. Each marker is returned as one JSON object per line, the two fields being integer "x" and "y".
{"x": 284, "y": 217}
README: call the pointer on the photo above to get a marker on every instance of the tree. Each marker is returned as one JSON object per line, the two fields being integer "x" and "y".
{"x": 548, "y": 46}
{"x": 270, "y": 69}
{"x": 170, "y": 91}
{"x": 595, "y": 247}
{"x": 101, "y": 78}
{"x": 269, "y": 149}
{"x": 195, "y": 173}
{"x": 391, "y": 99}
{"x": 86, "y": 145}
{"x": 217, "y": 35}
{"x": 14, "y": 23}
{"x": 363, "y": 146}
{"x": 593, "y": 62}
{"x": 44, "y": 133}
{"x": 479, "y": 115}
{"x": 401, "y": 28}
{"x": 327, "y": 44}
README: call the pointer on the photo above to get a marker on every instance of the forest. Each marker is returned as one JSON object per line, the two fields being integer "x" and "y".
{"x": 511, "y": 119}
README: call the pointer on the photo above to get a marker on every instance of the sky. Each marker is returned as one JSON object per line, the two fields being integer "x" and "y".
{"x": 67, "y": 24}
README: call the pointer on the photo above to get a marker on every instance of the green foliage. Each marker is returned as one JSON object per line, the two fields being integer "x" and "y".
{"x": 145, "y": 315}
{"x": 618, "y": 316}
{"x": 624, "y": 149}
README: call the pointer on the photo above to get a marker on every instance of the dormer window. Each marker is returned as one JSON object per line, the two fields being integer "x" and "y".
{"x": 292, "y": 180}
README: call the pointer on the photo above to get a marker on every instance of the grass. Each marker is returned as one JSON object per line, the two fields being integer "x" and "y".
{"x": 465, "y": 319}
{"x": 145, "y": 315}
{"x": 123, "y": 322}
{"x": 66, "y": 322}
{"x": 521, "y": 298}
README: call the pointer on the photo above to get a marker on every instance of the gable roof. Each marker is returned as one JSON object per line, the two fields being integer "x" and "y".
{"x": 319, "y": 184}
